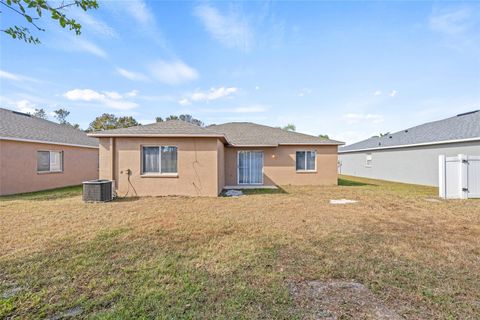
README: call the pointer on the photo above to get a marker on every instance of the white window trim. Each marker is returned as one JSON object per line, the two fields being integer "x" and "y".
{"x": 51, "y": 171}
{"x": 238, "y": 168}
{"x": 368, "y": 157}
{"x": 306, "y": 170}
{"x": 159, "y": 173}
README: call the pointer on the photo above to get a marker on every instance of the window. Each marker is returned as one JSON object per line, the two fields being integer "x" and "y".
{"x": 306, "y": 161}
{"x": 368, "y": 160}
{"x": 49, "y": 161}
{"x": 159, "y": 159}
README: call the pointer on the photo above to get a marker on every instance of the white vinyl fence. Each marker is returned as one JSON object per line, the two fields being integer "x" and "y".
{"x": 459, "y": 177}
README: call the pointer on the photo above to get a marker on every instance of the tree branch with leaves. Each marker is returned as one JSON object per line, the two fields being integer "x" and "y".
{"x": 34, "y": 10}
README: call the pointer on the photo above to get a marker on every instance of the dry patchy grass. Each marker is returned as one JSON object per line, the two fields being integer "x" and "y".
{"x": 177, "y": 257}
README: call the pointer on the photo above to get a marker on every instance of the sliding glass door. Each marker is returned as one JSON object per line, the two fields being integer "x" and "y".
{"x": 250, "y": 167}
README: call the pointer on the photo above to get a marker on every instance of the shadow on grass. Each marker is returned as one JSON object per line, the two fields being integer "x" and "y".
{"x": 52, "y": 194}
{"x": 126, "y": 199}
{"x": 351, "y": 183}
{"x": 248, "y": 192}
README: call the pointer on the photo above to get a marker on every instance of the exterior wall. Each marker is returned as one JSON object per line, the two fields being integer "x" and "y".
{"x": 221, "y": 165}
{"x": 197, "y": 167}
{"x": 18, "y": 167}
{"x": 417, "y": 165}
{"x": 279, "y": 166}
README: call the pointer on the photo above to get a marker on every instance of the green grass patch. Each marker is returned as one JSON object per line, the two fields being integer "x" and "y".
{"x": 52, "y": 194}
{"x": 352, "y": 183}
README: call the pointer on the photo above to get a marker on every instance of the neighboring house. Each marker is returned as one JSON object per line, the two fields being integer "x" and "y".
{"x": 179, "y": 158}
{"x": 37, "y": 154}
{"x": 411, "y": 155}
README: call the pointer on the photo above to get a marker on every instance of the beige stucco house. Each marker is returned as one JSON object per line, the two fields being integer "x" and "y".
{"x": 179, "y": 158}
{"x": 37, "y": 154}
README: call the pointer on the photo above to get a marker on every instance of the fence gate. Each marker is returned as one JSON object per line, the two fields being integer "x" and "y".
{"x": 459, "y": 177}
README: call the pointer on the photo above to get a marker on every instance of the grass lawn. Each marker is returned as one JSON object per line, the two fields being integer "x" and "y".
{"x": 177, "y": 257}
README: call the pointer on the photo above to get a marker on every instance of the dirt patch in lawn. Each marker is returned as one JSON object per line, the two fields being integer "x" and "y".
{"x": 338, "y": 299}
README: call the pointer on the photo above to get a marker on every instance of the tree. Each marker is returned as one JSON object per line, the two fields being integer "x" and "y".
{"x": 109, "y": 121}
{"x": 172, "y": 117}
{"x": 188, "y": 118}
{"x": 184, "y": 117}
{"x": 125, "y": 122}
{"x": 40, "y": 113}
{"x": 324, "y": 136}
{"x": 61, "y": 115}
{"x": 289, "y": 127}
{"x": 34, "y": 10}
{"x": 104, "y": 122}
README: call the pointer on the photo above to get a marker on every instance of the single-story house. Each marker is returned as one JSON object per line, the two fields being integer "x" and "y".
{"x": 179, "y": 158}
{"x": 411, "y": 155}
{"x": 37, "y": 154}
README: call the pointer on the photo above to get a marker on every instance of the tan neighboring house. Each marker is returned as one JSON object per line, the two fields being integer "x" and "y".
{"x": 179, "y": 158}
{"x": 37, "y": 154}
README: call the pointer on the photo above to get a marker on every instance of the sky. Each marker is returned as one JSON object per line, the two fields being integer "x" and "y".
{"x": 347, "y": 69}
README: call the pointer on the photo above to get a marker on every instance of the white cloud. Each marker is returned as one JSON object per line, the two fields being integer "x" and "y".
{"x": 377, "y": 93}
{"x": 80, "y": 44}
{"x": 25, "y": 106}
{"x": 111, "y": 99}
{"x": 131, "y": 75}
{"x": 113, "y": 95}
{"x": 139, "y": 11}
{"x": 352, "y": 118}
{"x": 95, "y": 25}
{"x": 232, "y": 29}
{"x": 184, "y": 102}
{"x": 393, "y": 93}
{"x": 83, "y": 95}
{"x": 16, "y": 77}
{"x": 132, "y": 93}
{"x": 303, "y": 92}
{"x": 451, "y": 22}
{"x": 210, "y": 95}
{"x": 173, "y": 72}
{"x": 257, "y": 88}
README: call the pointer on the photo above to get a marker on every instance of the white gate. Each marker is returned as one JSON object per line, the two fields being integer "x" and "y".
{"x": 459, "y": 177}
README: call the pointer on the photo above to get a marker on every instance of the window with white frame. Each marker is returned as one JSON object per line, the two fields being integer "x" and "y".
{"x": 306, "y": 160}
{"x": 368, "y": 160}
{"x": 49, "y": 161}
{"x": 159, "y": 159}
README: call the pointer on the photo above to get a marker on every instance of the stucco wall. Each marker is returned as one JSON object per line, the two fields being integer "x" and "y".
{"x": 417, "y": 165}
{"x": 197, "y": 167}
{"x": 18, "y": 167}
{"x": 221, "y": 165}
{"x": 279, "y": 166}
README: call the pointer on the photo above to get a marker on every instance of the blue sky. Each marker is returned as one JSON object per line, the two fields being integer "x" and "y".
{"x": 347, "y": 69}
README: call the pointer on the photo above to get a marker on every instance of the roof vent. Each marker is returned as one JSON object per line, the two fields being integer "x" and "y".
{"x": 467, "y": 113}
{"x": 22, "y": 114}
{"x": 406, "y": 131}
{"x": 390, "y": 137}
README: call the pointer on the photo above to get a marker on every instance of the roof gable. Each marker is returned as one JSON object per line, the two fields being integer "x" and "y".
{"x": 460, "y": 127}
{"x": 252, "y": 134}
{"x": 235, "y": 133}
{"x": 23, "y": 127}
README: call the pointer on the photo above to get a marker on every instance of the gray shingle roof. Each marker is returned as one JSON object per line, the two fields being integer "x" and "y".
{"x": 459, "y": 127}
{"x": 236, "y": 133}
{"x": 251, "y": 134}
{"x": 20, "y": 126}
{"x": 165, "y": 128}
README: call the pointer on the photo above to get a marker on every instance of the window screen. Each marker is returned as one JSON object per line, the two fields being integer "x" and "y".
{"x": 305, "y": 160}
